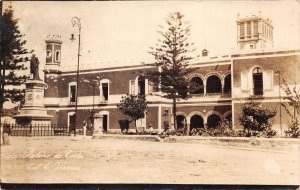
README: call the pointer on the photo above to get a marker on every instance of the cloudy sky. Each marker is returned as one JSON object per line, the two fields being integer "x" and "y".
{"x": 120, "y": 33}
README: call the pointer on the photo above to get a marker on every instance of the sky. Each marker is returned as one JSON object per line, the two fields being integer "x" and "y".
{"x": 120, "y": 33}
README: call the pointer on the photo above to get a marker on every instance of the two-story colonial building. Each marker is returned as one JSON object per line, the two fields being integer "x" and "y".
{"x": 250, "y": 72}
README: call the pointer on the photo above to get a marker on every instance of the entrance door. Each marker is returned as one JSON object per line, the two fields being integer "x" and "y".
{"x": 104, "y": 122}
{"x": 258, "y": 81}
{"x": 71, "y": 123}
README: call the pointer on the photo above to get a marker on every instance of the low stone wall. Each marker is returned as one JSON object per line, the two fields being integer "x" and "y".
{"x": 152, "y": 138}
{"x": 247, "y": 142}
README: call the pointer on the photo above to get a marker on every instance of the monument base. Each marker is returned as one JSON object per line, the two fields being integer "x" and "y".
{"x": 33, "y": 112}
{"x": 98, "y": 125}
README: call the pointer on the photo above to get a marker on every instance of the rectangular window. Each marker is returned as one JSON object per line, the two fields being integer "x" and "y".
{"x": 104, "y": 91}
{"x": 255, "y": 28}
{"x": 248, "y": 28}
{"x": 141, "y": 87}
{"x": 72, "y": 93}
{"x": 264, "y": 30}
{"x": 242, "y": 30}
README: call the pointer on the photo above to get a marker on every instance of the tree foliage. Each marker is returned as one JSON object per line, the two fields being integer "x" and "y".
{"x": 133, "y": 106}
{"x": 13, "y": 57}
{"x": 255, "y": 117}
{"x": 172, "y": 56}
{"x": 293, "y": 98}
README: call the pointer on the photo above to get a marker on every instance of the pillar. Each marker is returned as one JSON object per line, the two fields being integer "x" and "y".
{"x": 188, "y": 122}
{"x": 205, "y": 126}
{"x": 98, "y": 124}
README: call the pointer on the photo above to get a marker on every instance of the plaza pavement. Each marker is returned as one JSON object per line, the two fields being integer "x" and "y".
{"x": 87, "y": 160}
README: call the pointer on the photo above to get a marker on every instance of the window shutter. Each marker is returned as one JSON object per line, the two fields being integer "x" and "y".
{"x": 132, "y": 87}
{"x": 150, "y": 88}
{"x": 268, "y": 80}
{"x": 244, "y": 81}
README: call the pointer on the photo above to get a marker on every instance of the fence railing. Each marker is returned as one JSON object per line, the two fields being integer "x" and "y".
{"x": 35, "y": 130}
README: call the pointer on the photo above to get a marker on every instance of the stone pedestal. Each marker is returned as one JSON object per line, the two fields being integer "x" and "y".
{"x": 98, "y": 124}
{"x": 33, "y": 112}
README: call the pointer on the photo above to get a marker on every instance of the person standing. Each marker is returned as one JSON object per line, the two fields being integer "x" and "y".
{"x": 84, "y": 128}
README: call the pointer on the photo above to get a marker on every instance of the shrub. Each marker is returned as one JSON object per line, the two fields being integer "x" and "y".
{"x": 197, "y": 131}
{"x": 293, "y": 97}
{"x": 124, "y": 125}
{"x": 293, "y": 129}
{"x": 255, "y": 119}
{"x": 166, "y": 126}
{"x": 178, "y": 132}
{"x": 268, "y": 132}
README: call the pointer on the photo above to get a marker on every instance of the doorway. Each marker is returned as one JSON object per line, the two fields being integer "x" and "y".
{"x": 105, "y": 122}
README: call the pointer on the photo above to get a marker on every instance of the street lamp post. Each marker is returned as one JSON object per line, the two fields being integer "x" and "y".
{"x": 93, "y": 110}
{"x": 94, "y": 98}
{"x": 76, "y": 23}
{"x": 279, "y": 78}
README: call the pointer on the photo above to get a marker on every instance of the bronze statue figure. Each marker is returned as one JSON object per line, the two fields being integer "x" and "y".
{"x": 34, "y": 67}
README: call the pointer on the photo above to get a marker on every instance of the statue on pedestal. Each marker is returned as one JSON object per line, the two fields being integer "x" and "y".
{"x": 34, "y": 67}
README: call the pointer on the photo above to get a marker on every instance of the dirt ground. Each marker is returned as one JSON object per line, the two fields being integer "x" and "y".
{"x": 68, "y": 160}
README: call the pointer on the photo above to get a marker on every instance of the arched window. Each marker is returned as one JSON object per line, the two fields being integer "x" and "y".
{"x": 213, "y": 85}
{"x": 57, "y": 56}
{"x": 180, "y": 119}
{"x": 196, "y": 86}
{"x": 213, "y": 121}
{"x": 257, "y": 76}
{"x": 197, "y": 122}
{"x": 227, "y": 84}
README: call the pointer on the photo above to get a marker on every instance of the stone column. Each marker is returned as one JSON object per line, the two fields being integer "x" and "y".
{"x": 172, "y": 126}
{"x": 188, "y": 126}
{"x": 222, "y": 88}
{"x": 98, "y": 124}
{"x": 252, "y": 29}
{"x": 205, "y": 126}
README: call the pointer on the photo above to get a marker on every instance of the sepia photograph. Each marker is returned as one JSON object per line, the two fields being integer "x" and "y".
{"x": 166, "y": 94}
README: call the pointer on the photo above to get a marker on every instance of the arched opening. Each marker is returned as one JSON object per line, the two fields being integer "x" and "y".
{"x": 196, "y": 86}
{"x": 213, "y": 85}
{"x": 227, "y": 84}
{"x": 213, "y": 121}
{"x": 141, "y": 85}
{"x": 257, "y": 81}
{"x": 180, "y": 119}
{"x": 57, "y": 56}
{"x": 197, "y": 122}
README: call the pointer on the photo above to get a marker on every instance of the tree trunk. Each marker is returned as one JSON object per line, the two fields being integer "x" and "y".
{"x": 2, "y": 77}
{"x": 174, "y": 113}
{"x": 135, "y": 126}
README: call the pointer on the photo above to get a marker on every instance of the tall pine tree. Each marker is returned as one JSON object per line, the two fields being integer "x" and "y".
{"x": 13, "y": 57}
{"x": 172, "y": 56}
